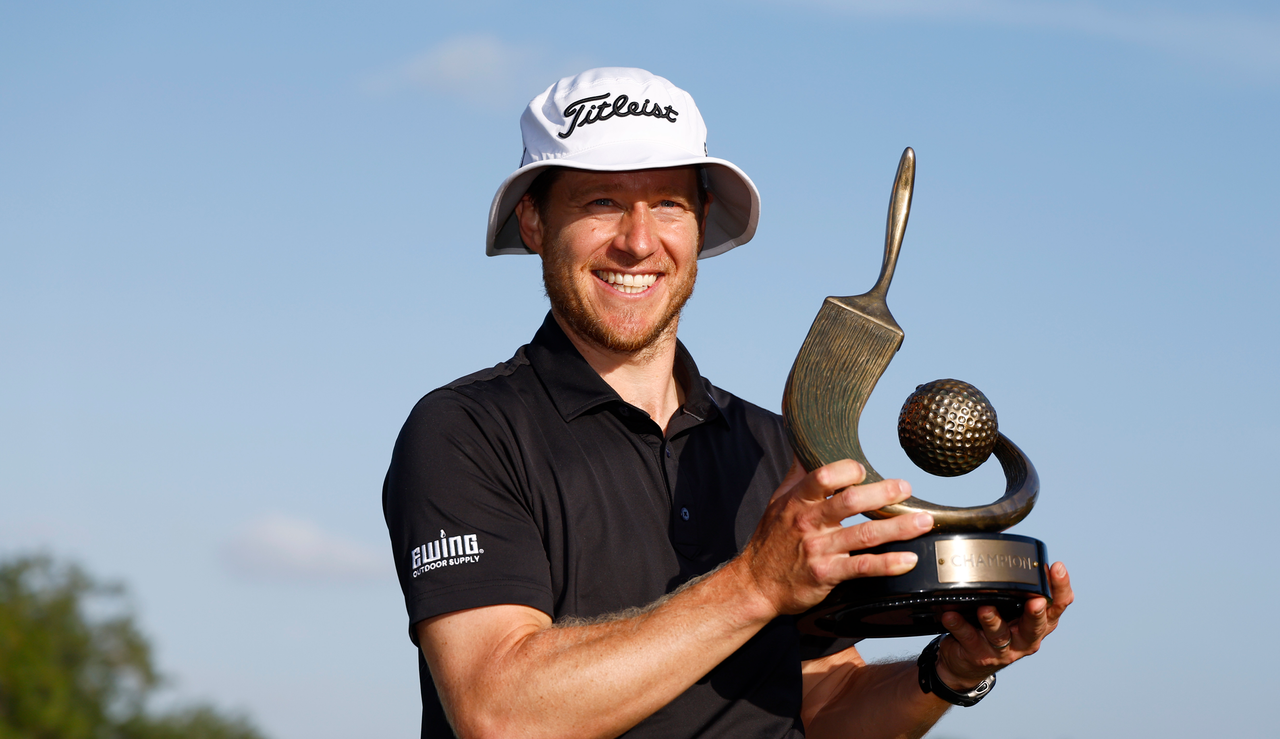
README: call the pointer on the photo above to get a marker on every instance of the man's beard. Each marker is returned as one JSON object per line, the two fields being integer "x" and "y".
{"x": 558, "y": 277}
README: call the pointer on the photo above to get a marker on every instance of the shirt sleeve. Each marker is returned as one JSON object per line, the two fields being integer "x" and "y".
{"x": 462, "y": 529}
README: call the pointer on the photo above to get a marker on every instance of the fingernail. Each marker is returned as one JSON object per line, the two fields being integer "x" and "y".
{"x": 910, "y": 558}
{"x": 904, "y": 486}
{"x": 1037, "y": 609}
{"x": 924, "y": 521}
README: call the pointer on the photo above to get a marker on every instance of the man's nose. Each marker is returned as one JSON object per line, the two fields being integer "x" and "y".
{"x": 638, "y": 235}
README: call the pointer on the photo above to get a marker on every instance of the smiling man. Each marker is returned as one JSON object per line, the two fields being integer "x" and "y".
{"x": 593, "y": 539}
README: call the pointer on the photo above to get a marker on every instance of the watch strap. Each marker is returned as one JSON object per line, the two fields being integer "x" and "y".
{"x": 931, "y": 683}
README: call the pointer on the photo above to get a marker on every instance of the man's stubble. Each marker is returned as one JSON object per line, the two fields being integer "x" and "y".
{"x": 567, "y": 302}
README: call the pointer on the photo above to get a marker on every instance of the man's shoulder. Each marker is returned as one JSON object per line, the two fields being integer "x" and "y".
{"x": 476, "y": 398}
{"x": 486, "y": 384}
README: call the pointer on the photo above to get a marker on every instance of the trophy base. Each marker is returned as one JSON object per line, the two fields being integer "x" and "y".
{"x": 956, "y": 572}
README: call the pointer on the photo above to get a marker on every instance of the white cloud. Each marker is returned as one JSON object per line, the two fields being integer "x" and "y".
{"x": 480, "y": 68}
{"x": 285, "y": 548}
{"x": 1249, "y": 44}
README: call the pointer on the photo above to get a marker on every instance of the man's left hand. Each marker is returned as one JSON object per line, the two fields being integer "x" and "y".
{"x": 972, "y": 654}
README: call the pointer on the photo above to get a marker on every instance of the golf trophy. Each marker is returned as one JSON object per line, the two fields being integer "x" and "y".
{"x": 948, "y": 428}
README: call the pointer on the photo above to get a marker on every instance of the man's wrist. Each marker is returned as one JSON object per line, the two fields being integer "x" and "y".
{"x": 751, "y": 603}
{"x": 931, "y": 682}
{"x": 951, "y": 680}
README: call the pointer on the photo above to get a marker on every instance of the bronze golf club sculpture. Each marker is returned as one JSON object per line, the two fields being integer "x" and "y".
{"x": 964, "y": 562}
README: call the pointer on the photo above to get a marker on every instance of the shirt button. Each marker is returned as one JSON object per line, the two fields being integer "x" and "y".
{"x": 684, "y": 513}
{"x": 624, "y": 412}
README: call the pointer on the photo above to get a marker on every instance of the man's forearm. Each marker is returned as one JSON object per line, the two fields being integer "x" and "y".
{"x": 595, "y": 679}
{"x": 849, "y": 698}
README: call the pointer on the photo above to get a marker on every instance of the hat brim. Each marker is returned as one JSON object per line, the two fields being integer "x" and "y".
{"x": 731, "y": 220}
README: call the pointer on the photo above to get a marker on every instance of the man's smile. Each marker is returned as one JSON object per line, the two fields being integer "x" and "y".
{"x": 627, "y": 283}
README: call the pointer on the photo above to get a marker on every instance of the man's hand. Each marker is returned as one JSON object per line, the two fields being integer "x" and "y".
{"x": 847, "y": 698}
{"x": 799, "y": 551}
{"x": 974, "y": 653}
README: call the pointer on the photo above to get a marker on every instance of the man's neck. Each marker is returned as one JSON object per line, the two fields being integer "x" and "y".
{"x": 645, "y": 379}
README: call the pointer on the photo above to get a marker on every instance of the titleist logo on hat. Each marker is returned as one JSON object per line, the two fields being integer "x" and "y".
{"x": 621, "y": 107}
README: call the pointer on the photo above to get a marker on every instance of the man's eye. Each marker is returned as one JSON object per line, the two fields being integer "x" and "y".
{"x": 602, "y": 201}
{"x": 668, "y": 204}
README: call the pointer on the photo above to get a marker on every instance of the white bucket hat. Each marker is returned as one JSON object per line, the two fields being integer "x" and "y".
{"x": 615, "y": 119}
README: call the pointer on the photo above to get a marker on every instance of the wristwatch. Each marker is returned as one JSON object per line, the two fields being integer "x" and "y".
{"x": 931, "y": 683}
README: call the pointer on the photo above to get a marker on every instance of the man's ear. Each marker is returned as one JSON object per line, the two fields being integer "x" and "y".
{"x": 530, "y": 222}
{"x": 702, "y": 222}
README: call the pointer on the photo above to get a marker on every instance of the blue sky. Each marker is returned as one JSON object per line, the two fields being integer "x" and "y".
{"x": 239, "y": 240}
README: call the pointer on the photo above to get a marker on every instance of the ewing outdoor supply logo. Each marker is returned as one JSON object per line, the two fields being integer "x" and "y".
{"x": 582, "y": 114}
{"x": 445, "y": 552}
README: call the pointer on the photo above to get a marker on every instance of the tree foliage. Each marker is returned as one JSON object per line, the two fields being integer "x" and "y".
{"x": 74, "y": 665}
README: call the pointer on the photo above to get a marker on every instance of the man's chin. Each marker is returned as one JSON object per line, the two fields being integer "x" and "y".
{"x": 630, "y": 339}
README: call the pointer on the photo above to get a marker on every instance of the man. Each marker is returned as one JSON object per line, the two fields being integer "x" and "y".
{"x": 591, "y": 538}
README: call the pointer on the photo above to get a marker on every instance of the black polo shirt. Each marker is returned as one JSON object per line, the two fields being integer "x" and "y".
{"x": 534, "y": 483}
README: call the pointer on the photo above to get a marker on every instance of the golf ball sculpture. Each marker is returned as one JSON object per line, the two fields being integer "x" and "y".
{"x": 947, "y": 427}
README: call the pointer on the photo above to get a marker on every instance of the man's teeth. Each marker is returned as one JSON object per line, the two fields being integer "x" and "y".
{"x": 628, "y": 283}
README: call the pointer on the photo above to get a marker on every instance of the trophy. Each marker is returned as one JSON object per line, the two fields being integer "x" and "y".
{"x": 948, "y": 428}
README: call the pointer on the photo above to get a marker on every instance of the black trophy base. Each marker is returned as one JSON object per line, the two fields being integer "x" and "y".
{"x": 956, "y": 572}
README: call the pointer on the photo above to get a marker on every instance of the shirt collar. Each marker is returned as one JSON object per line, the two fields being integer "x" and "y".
{"x": 575, "y": 387}
{"x": 697, "y": 400}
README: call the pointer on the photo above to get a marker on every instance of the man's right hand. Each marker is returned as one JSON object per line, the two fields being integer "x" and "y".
{"x": 799, "y": 550}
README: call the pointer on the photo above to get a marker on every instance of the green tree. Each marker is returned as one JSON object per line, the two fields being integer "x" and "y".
{"x": 74, "y": 665}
